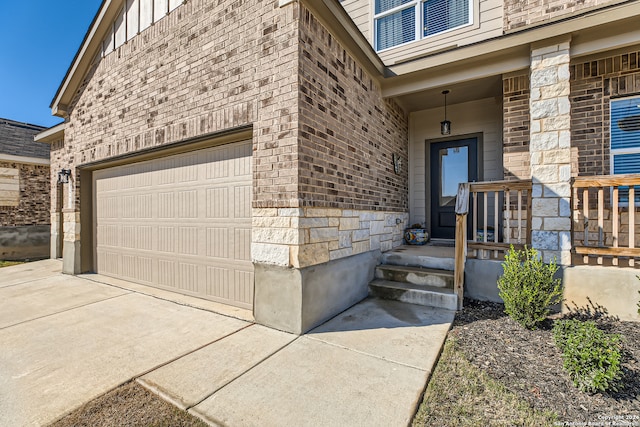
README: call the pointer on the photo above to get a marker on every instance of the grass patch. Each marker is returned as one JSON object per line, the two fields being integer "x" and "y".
{"x": 9, "y": 263}
{"x": 460, "y": 394}
{"x": 129, "y": 405}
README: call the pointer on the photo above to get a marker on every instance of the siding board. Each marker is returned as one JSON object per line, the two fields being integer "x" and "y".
{"x": 488, "y": 23}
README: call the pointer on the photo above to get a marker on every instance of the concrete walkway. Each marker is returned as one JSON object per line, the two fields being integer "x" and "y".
{"x": 65, "y": 340}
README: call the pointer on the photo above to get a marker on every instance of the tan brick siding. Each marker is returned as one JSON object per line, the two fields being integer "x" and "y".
{"x": 522, "y": 13}
{"x": 210, "y": 66}
{"x": 33, "y": 204}
{"x": 593, "y": 84}
{"x": 348, "y": 132}
{"x": 206, "y": 67}
{"x": 516, "y": 131}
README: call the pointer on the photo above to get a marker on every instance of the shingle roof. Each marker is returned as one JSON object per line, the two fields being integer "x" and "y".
{"x": 16, "y": 139}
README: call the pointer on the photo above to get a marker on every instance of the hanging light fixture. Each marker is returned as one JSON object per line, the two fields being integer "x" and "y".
{"x": 445, "y": 125}
{"x": 63, "y": 176}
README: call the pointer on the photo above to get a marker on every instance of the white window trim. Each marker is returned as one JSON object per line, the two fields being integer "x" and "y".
{"x": 417, "y": 4}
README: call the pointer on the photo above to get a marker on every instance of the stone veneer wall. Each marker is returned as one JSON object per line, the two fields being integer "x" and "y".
{"x": 308, "y": 236}
{"x": 33, "y": 204}
{"x": 522, "y": 13}
{"x": 550, "y": 151}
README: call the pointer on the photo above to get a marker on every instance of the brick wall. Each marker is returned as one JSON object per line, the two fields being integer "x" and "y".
{"x": 516, "y": 121}
{"x": 348, "y": 132}
{"x": 522, "y": 13}
{"x": 593, "y": 84}
{"x": 206, "y": 67}
{"x": 33, "y": 204}
{"x": 323, "y": 136}
{"x": 352, "y": 200}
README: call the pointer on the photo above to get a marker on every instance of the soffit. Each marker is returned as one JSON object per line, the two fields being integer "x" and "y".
{"x": 488, "y": 87}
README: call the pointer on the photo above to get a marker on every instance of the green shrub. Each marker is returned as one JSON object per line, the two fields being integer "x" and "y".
{"x": 590, "y": 356}
{"x": 527, "y": 287}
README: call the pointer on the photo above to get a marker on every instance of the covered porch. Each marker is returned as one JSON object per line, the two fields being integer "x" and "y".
{"x": 533, "y": 149}
{"x": 602, "y": 241}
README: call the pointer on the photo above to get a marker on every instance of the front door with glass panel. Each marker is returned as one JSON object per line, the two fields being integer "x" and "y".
{"x": 452, "y": 162}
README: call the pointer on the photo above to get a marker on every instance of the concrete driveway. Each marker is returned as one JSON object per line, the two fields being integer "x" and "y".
{"x": 65, "y": 340}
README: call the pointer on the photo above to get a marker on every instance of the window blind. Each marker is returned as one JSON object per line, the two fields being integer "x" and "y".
{"x": 442, "y": 15}
{"x": 625, "y": 142}
{"x": 397, "y": 28}
{"x": 625, "y": 124}
{"x": 384, "y": 5}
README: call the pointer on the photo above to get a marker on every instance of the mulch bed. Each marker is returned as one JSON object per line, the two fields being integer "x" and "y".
{"x": 529, "y": 364}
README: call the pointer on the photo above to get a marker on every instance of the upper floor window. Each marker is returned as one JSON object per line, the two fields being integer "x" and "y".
{"x": 625, "y": 139}
{"x": 401, "y": 21}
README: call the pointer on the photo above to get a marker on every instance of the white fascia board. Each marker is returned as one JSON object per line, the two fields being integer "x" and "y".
{"x": 52, "y": 134}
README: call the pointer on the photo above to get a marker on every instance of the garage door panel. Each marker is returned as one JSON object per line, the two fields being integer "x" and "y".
{"x": 242, "y": 244}
{"x": 181, "y": 223}
{"x": 242, "y": 202}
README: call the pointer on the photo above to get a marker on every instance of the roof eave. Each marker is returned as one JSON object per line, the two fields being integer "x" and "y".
{"x": 55, "y": 133}
{"x": 81, "y": 63}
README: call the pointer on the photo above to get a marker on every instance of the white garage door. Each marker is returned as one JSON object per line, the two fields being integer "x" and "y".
{"x": 182, "y": 223}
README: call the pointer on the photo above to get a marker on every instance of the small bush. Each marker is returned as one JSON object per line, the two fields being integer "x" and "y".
{"x": 527, "y": 287}
{"x": 590, "y": 356}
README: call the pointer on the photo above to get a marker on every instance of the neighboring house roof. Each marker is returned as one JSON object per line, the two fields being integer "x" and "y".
{"x": 16, "y": 139}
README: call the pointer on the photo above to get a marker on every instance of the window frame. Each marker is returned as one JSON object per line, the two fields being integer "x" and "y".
{"x": 418, "y": 6}
{"x": 620, "y": 151}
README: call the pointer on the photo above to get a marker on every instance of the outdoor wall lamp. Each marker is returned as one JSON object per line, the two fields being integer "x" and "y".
{"x": 445, "y": 125}
{"x": 63, "y": 176}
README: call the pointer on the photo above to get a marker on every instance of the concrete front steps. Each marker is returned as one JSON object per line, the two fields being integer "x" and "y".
{"x": 421, "y": 275}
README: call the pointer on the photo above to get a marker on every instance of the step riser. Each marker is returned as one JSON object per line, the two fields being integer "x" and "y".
{"x": 424, "y": 298}
{"x": 428, "y": 279}
{"x": 394, "y": 258}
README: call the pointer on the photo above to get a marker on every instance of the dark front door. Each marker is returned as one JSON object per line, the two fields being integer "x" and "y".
{"x": 452, "y": 162}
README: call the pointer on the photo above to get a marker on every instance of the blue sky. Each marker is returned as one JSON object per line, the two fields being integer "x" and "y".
{"x": 39, "y": 40}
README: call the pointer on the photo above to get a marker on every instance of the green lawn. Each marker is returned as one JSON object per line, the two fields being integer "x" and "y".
{"x": 460, "y": 394}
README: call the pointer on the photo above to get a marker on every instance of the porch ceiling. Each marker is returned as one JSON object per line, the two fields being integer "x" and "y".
{"x": 487, "y": 87}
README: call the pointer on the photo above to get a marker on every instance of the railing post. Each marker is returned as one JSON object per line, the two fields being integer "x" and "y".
{"x": 462, "y": 208}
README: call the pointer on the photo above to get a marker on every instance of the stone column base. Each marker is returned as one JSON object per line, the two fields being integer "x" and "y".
{"x": 71, "y": 257}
